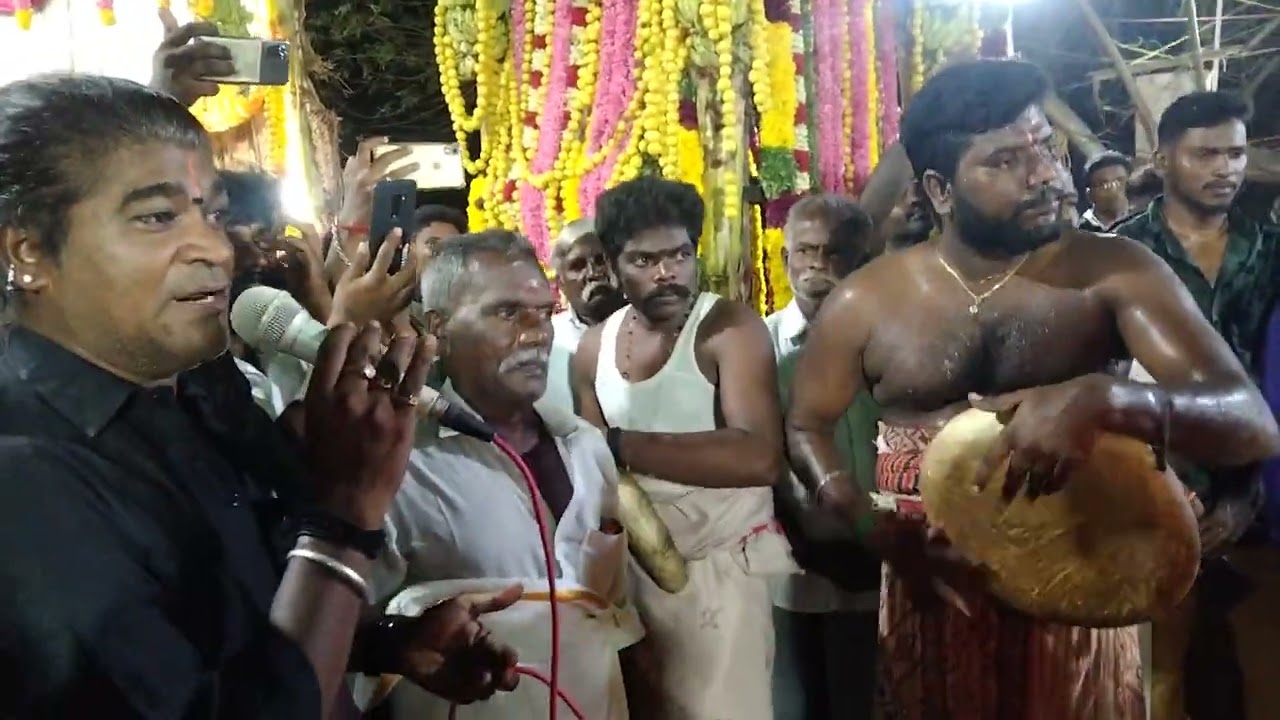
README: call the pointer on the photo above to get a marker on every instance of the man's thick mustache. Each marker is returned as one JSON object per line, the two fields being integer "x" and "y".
{"x": 597, "y": 288}
{"x": 674, "y": 291}
{"x": 1046, "y": 196}
{"x": 520, "y": 358}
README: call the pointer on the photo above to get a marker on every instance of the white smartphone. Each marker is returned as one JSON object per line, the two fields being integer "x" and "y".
{"x": 257, "y": 61}
{"x": 439, "y": 164}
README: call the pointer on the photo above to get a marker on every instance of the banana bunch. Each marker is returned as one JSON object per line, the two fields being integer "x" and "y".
{"x": 460, "y": 26}
{"x": 702, "y": 51}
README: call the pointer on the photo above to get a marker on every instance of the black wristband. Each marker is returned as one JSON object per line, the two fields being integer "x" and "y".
{"x": 613, "y": 436}
{"x": 326, "y": 527}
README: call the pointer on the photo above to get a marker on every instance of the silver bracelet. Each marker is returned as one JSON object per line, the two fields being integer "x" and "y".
{"x": 338, "y": 568}
{"x": 337, "y": 249}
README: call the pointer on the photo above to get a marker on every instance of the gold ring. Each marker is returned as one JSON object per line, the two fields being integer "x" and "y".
{"x": 406, "y": 400}
{"x": 385, "y": 383}
{"x": 369, "y": 371}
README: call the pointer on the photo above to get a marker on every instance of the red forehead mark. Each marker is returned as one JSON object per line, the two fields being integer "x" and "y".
{"x": 193, "y": 177}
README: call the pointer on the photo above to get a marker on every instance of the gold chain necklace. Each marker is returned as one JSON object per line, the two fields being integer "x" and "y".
{"x": 976, "y": 297}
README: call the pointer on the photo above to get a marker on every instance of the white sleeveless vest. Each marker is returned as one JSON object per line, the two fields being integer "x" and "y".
{"x": 679, "y": 399}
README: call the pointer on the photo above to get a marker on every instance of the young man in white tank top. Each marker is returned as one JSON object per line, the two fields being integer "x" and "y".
{"x": 685, "y": 385}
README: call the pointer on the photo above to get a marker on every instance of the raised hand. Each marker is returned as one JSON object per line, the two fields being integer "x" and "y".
{"x": 361, "y": 173}
{"x": 360, "y": 416}
{"x": 179, "y": 65}
{"x": 365, "y": 293}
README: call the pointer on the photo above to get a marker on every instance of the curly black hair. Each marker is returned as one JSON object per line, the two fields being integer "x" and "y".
{"x": 964, "y": 100}
{"x": 1203, "y": 109}
{"x": 646, "y": 203}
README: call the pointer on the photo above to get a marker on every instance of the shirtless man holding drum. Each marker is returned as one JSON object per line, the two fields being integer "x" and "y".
{"x": 1010, "y": 304}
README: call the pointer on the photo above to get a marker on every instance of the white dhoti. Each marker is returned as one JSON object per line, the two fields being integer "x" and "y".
{"x": 708, "y": 650}
{"x": 591, "y": 633}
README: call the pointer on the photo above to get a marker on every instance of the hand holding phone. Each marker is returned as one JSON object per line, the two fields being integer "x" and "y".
{"x": 394, "y": 203}
{"x": 256, "y": 61}
{"x": 186, "y": 70}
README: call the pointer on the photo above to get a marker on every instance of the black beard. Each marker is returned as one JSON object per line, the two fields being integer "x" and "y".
{"x": 1201, "y": 208}
{"x": 1002, "y": 238}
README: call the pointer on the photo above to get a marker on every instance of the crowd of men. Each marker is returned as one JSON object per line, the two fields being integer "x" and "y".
{"x": 192, "y": 532}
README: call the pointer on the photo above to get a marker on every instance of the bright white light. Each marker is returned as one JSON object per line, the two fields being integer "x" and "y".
{"x": 1003, "y": 2}
{"x": 295, "y": 198}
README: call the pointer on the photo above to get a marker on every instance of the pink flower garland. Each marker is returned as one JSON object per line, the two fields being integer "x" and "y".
{"x": 887, "y": 46}
{"x": 826, "y": 46}
{"x": 861, "y": 149}
{"x": 613, "y": 92}
{"x": 533, "y": 201}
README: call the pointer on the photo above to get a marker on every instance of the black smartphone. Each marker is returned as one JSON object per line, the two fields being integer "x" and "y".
{"x": 257, "y": 61}
{"x": 394, "y": 203}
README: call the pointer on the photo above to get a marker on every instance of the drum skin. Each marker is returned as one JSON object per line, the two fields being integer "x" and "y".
{"x": 1117, "y": 546}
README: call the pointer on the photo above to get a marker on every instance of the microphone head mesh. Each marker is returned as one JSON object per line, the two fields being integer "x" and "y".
{"x": 261, "y": 316}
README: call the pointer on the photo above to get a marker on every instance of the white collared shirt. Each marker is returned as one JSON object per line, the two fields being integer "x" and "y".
{"x": 463, "y": 521}
{"x": 568, "y": 333}
{"x": 464, "y": 511}
{"x": 785, "y": 328}
{"x": 806, "y": 592}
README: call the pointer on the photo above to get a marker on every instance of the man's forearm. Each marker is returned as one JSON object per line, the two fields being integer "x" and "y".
{"x": 318, "y": 610}
{"x": 816, "y": 461}
{"x": 716, "y": 459}
{"x": 1226, "y": 426}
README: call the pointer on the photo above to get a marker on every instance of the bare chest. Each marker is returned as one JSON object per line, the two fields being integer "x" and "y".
{"x": 931, "y": 354}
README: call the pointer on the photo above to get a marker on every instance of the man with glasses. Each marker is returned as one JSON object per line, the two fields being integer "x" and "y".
{"x": 1106, "y": 176}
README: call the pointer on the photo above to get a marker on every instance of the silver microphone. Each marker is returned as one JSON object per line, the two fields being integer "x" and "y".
{"x": 270, "y": 319}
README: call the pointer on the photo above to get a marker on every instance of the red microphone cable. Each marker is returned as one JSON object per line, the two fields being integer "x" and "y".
{"x": 552, "y": 682}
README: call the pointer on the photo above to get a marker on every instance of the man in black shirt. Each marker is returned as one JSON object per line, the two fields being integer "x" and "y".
{"x": 140, "y": 489}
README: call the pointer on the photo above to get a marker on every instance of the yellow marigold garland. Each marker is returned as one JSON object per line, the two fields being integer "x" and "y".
{"x": 691, "y": 165}
{"x": 778, "y": 120}
{"x": 777, "y": 279}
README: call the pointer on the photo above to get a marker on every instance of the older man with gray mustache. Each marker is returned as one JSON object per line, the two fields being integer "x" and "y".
{"x": 464, "y": 519}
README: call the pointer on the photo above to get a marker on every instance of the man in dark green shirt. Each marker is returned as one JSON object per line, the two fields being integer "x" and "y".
{"x": 1229, "y": 263}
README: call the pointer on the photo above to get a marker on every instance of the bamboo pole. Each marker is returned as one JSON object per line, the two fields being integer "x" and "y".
{"x": 1197, "y": 51}
{"x": 1121, "y": 67}
{"x": 1076, "y": 130}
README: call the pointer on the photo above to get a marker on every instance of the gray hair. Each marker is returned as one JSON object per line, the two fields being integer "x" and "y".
{"x": 446, "y": 273}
